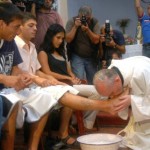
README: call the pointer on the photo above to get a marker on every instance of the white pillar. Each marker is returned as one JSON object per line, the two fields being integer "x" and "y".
{"x": 63, "y": 10}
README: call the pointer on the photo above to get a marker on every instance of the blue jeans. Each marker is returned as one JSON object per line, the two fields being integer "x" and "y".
{"x": 84, "y": 68}
{"x": 1, "y": 114}
{"x": 146, "y": 50}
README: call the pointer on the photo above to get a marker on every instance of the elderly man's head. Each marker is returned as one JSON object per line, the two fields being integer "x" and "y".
{"x": 108, "y": 83}
{"x": 85, "y": 11}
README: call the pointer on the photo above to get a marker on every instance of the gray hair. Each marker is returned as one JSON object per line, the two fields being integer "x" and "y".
{"x": 107, "y": 75}
{"x": 85, "y": 10}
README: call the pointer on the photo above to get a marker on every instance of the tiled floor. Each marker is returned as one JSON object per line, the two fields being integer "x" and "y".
{"x": 114, "y": 130}
{"x": 103, "y": 126}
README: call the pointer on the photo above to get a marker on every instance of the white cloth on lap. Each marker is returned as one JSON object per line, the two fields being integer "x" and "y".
{"x": 36, "y": 100}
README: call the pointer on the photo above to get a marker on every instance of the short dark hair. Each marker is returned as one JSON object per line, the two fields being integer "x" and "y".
{"x": 27, "y": 16}
{"x": 9, "y": 12}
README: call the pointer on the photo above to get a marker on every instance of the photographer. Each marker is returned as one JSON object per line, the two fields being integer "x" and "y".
{"x": 82, "y": 38}
{"x": 111, "y": 40}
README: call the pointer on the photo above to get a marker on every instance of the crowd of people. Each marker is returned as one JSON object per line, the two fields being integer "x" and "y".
{"x": 42, "y": 65}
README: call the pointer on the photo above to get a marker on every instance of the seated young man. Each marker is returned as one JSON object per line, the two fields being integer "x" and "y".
{"x": 31, "y": 65}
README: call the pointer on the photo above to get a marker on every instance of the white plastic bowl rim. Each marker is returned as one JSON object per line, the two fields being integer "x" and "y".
{"x": 99, "y": 139}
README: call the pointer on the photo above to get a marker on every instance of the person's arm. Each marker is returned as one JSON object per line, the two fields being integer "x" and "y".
{"x": 69, "y": 70}
{"x": 121, "y": 48}
{"x": 113, "y": 44}
{"x": 33, "y": 9}
{"x": 92, "y": 35}
{"x": 43, "y": 59}
{"x": 44, "y": 80}
{"x": 139, "y": 8}
{"x": 71, "y": 29}
{"x": 26, "y": 77}
{"x": 117, "y": 41}
{"x": 74, "y": 79}
{"x": 18, "y": 80}
{"x": 51, "y": 79}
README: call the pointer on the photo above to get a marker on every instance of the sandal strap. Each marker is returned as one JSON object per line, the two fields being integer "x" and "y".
{"x": 75, "y": 144}
{"x": 65, "y": 139}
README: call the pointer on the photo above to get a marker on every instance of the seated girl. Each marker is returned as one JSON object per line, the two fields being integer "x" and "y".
{"x": 52, "y": 56}
{"x": 54, "y": 62}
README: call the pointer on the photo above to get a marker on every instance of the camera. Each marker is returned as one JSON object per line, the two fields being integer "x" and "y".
{"x": 84, "y": 20}
{"x": 107, "y": 32}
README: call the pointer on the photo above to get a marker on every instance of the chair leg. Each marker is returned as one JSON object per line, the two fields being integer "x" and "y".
{"x": 79, "y": 116}
{"x": 9, "y": 129}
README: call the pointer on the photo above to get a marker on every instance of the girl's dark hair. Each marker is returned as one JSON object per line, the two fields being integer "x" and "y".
{"x": 47, "y": 44}
{"x": 9, "y": 12}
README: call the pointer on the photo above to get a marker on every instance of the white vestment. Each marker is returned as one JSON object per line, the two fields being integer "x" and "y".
{"x": 136, "y": 75}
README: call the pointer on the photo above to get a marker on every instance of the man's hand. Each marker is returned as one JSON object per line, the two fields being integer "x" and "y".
{"x": 119, "y": 102}
{"x": 123, "y": 101}
{"x": 75, "y": 80}
{"x": 77, "y": 22}
{"x": 17, "y": 82}
{"x": 102, "y": 38}
{"x": 85, "y": 28}
{"x": 111, "y": 43}
{"x": 26, "y": 78}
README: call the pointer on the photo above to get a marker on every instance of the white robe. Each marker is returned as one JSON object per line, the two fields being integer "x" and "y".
{"x": 136, "y": 74}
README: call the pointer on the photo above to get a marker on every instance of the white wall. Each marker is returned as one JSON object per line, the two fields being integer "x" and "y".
{"x": 63, "y": 10}
{"x": 108, "y": 9}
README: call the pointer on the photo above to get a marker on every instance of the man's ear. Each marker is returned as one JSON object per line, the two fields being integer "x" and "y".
{"x": 117, "y": 79}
